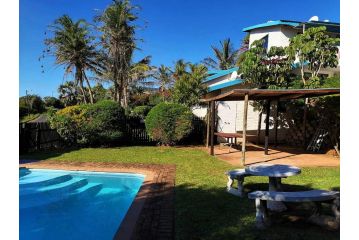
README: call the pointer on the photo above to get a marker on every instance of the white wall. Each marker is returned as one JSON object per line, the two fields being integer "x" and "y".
{"x": 277, "y": 35}
{"x": 280, "y": 36}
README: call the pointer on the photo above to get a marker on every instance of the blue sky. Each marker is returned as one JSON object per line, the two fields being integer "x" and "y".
{"x": 174, "y": 29}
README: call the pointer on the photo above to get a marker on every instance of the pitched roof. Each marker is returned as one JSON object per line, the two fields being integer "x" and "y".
{"x": 331, "y": 26}
{"x": 219, "y": 73}
{"x": 225, "y": 84}
{"x": 263, "y": 94}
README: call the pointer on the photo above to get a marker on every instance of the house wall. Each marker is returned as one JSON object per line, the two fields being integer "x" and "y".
{"x": 277, "y": 35}
{"x": 230, "y": 120}
{"x": 280, "y": 36}
{"x": 220, "y": 80}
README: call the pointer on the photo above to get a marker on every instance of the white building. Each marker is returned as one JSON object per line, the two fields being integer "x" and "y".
{"x": 230, "y": 113}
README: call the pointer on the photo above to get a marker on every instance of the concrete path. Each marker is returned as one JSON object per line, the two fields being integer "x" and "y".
{"x": 281, "y": 155}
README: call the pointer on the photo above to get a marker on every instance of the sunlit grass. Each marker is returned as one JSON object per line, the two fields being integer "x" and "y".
{"x": 203, "y": 208}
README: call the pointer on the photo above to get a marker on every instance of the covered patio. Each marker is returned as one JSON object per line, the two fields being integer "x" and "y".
{"x": 287, "y": 155}
{"x": 268, "y": 95}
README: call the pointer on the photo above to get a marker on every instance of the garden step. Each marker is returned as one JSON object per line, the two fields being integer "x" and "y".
{"x": 50, "y": 194}
{"x": 58, "y": 188}
{"x": 89, "y": 189}
{"x": 23, "y": 172}
{"x": 41, "y": 180}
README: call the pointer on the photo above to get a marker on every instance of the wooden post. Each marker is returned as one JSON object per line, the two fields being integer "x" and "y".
{"x": 305, "y": 122}
{"x": 212, "y": 126}
{"x": 38, "y": 137}
{"x": 259, "y": 127}
{"x": 276, "y": 124}
{"x": 208, "y": 124}
{"x": 266, "y": 138}
{"x": 245, "y": 111}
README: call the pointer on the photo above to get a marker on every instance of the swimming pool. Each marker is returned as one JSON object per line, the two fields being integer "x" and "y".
{"x": 56, "y": 204}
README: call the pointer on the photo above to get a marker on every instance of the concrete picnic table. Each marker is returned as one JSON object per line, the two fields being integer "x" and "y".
{"x": 275, "y": 173}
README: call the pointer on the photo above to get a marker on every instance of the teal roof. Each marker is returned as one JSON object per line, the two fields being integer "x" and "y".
{"x": 272, "y": 23}
{"x": 331, "y": 26}
{"x": 219, "y": 73}
{"x": 225, "y": 84}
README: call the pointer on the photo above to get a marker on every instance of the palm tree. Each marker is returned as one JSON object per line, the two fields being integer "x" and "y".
{"x": 226, "y": 56}
{"x": 139, "y": 71}
{"x": 119, "y": 40}
{"x": 68, "y": 93}
{"x": 189, "y": 88}
{"x": 74, "y": 48}
{"x": 180, "y": 69}
{"x": 163, "y": 75}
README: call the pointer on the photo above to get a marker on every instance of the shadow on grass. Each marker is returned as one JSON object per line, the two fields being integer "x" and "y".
{"x": 212, "y": 213}
{"x": 43, "y": 155}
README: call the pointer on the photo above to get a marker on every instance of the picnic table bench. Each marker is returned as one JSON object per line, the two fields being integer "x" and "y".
{"x": 316, "y": 196}
{"x": 239, "y": 175}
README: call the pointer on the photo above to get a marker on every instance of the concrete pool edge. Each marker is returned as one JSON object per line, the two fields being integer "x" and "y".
{"x": 151, "y": 213}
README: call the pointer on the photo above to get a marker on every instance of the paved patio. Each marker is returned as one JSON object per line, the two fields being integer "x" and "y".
{"x": 278, "y": 155}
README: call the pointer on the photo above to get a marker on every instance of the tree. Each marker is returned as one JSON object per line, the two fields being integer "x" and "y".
{"x": 139, "y": 72}
{"x": 188, "y": 89}
{"x": 163, "y": 75}
{"x": 68, "y": 94}
{"x": 254, "y": 70}
{"x": 180, "y": 69}
{"x": 244, "y": 48}
{"x": 164, "y": 78}
{"x": 226, "y": 56}
{"x": 53, "y": 102}
{"x": 73, "y": 47}
{"x": 33, "y": 103}
{"x": 118, "y": 38}
{"x": 315, "y": 49}
{"x": 279, "y": 68}
{"x": 100, "y": 93}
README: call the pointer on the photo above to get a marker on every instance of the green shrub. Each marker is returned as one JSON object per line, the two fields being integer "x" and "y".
{"x": 23, "y": 110}
{"x": 33, "y": 103}
{"x": 98, "y": 124}
{"x": 104, "y": 123}
{"x": 168, "y": 123}
{"x": 53, "y": 102}
{"x": 68, "y": 122}
{"x": 140, "y": 111}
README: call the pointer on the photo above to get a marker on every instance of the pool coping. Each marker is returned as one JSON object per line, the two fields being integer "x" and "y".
{"x": 151, "y": 214}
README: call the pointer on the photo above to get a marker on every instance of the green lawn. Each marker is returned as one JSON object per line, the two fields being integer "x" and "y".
{"x": 29, "y": 117}
{"x": 203, "y": 208}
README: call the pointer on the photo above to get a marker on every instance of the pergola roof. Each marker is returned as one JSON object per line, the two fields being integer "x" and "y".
{"x": 268, "y": 94}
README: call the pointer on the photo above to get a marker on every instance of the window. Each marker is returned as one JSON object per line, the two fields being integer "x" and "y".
{"x": 265, "y": 42}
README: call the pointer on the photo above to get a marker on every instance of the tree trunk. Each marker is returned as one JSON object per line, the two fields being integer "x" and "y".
{"x": 89, "y": 87}
{"x": 83, "y": 92}
{"x": 125, "y": 97}
{"x": 79, "y": 79}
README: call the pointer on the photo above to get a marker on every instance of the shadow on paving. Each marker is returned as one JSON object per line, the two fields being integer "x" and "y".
{"x": 212, "y": 213}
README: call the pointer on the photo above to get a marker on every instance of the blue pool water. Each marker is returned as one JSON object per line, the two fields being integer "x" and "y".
{"x": 58, "y": 204}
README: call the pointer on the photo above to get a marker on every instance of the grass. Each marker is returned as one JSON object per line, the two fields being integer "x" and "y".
{"x": 29, "y": 117}
{"x": 203, "y": 208}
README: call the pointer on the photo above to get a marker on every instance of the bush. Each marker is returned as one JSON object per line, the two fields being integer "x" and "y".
{"x": 23, "y": 110}
{"x": 168, "y": 123}
{"x": 140, "y": 111}
{"x": 105, "y": 123}
{"x": 33, "y": 103}
{"x": 53, "y": 102}
{"x": 98, "y": 124}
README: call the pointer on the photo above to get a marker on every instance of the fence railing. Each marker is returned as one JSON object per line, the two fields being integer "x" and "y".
{"x": 39, "y": 136}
